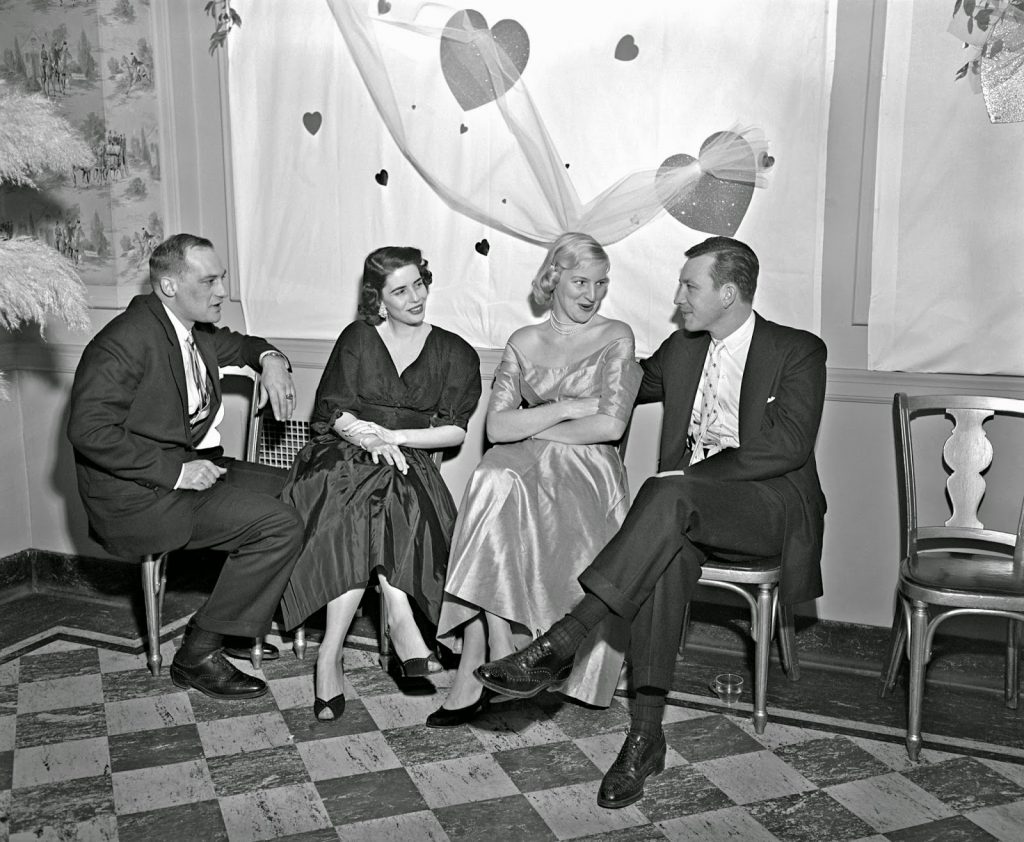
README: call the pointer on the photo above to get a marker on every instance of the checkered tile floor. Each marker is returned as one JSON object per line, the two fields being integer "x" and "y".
{"x": 92, "y": 747}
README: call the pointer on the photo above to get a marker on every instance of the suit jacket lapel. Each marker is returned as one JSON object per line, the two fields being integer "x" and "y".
{"x": 758, "y": 375}
{"x": 174, "y": 358}
{"x": 690, "y": 381}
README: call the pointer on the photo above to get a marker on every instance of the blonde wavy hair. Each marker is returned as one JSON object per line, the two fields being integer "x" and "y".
{"x": 567, "y": 252}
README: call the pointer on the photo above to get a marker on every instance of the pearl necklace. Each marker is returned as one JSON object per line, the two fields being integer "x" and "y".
{"x": 565, "y": 328}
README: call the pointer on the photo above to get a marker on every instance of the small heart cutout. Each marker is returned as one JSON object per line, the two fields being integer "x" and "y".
{"x": 312, "y": 120}
{"x": 383, "y": 7}
{"x": 382, "y": 178}
{"x": 463, "y": 128}
{"x": 714, "y": 206}
{"x": 483, "y": 247}
{"x": 464, "y": 69}
{"x": 626, "y": 49}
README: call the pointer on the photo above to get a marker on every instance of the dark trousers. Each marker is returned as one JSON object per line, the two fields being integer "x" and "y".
{"x": 242, "y": 515}
{"x": 647, "y": 572}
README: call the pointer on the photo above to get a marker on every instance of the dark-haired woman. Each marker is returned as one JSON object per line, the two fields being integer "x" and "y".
{"x": 374, "y": 503}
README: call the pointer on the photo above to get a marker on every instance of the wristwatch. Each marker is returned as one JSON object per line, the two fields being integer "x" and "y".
{"x": 266, "y": 354}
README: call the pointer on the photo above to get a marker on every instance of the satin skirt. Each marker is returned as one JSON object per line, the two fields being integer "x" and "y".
{"x": 360, "y": 517}
{"x": 534, "y": 515}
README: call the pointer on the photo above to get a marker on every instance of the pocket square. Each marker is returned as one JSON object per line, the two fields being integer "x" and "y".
{"x": 770, "y": 399}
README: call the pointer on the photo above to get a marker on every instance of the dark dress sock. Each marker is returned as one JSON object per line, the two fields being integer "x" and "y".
{"x": 568, "y": 633}
{"x": 590, "y": 611}
{"x": 648, "y": 709}
{"x": 199, "y": 643}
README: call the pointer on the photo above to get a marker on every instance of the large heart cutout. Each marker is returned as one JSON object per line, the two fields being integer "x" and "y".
{"x": 464, "y": 68}
{"x": 714, "y": 206}
{"x": 312, "y": 120}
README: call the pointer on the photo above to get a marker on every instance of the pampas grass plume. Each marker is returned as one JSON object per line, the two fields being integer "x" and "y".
{"x": 34, "y": 138}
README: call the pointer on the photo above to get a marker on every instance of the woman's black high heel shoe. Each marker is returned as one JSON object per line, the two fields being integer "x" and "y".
{"x": 410, "y": 668}
{"x": 444, "y": 718}
{"x": 335, "y": 705}
{"x": 415, "y": 667}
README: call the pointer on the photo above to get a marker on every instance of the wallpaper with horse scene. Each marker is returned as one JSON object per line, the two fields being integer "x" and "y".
{"x": 94, "y": 59}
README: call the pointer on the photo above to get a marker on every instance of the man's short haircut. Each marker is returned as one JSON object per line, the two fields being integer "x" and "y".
{"x": 169, "y": 258}
{"x": 735, "y": 263}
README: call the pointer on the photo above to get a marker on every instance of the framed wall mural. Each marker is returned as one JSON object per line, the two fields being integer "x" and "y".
{"x": 94, "y": 60}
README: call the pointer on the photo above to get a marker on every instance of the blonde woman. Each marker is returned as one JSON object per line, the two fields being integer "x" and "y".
{"x": 551, "y": 491}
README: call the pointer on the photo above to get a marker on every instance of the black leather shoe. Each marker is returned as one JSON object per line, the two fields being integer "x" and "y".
{"x": 639, "y": 757}
{"x": 217, "y": 678}
{"x": 244, "y": 653}
{"x": 445, "y": 718}
{"x": 526, "y": 673}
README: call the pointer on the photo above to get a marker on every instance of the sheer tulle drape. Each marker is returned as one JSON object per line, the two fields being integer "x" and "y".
{"x": 524, "y": 189}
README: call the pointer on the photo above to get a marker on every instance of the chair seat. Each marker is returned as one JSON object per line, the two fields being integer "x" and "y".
{"x": 949, "y": 577}
{"x": 749, "y": 570}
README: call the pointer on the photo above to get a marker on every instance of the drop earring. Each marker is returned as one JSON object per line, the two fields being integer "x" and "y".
{"x": 382, "y": 311}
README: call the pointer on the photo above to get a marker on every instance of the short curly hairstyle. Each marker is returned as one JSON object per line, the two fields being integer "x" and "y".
{"x": 567, "y": 252}
{"x": 376, "y": 268}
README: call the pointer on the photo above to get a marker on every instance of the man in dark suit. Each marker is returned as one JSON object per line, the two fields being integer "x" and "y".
{"x": 743, "y": 400}
{"x": 145, "y": 406}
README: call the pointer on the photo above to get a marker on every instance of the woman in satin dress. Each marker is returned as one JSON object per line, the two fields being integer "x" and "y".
{"x": 551, "y": 492}
{"x": 375, "y": 506}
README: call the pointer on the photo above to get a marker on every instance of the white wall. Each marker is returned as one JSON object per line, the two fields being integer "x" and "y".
{"x": 38, "y": 507}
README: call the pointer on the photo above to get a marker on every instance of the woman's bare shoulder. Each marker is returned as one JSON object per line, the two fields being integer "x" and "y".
{"x": 526, "y": 337}
{"x": 614, "y": 329}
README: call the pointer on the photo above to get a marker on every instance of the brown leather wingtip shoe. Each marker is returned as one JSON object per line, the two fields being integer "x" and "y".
{"x": 217, "y": 678}
{"x": 639, "y": 758}
{"x": 526, "y": 673}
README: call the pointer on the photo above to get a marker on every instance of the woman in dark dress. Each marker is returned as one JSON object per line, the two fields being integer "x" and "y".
{"x": 373, "y": 500}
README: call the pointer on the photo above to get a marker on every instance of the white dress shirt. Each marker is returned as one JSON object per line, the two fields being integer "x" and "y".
{"x": 212, "y": 437}
{"x": 725, "y": 429}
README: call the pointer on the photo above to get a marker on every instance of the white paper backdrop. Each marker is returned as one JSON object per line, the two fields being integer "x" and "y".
{"x": 309, "y": 206}
{"x": 947, "y": 279}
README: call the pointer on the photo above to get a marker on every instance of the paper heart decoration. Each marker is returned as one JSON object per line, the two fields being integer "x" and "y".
{"x": 483, "y": 247}
{"x": 312, "y": 120}
{"x": 713, "y": 206}
{"x": 383, "y": 7}
{"x": 465, "y": 70}
{"x": 626, "y": 49}
{"x": 382, "y": 178}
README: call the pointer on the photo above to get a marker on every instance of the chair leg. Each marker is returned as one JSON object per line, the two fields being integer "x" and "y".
{"x": 897, "y": 640}
{"x": 787, "y": 642}
{"x": 685, "y": 627}
{"x": 383, "y": 637}
{"x": 256, "y": 653}
{"x": 152, "y": 593}
{"x": 918, "y": 656}
{"x": 299, "y": 642}
{"x": 761, "y": 649}
{"x": 1012, "y": 688}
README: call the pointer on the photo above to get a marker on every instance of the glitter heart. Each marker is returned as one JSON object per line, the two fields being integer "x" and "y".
{"x": 465, "y": 70}
{"x": 713, "y": 206}
{"x": 483, "y": 247}
{"x": 626, "y": 49}
{"x": 312, "y": 120}
{"x": 382, "y": 178}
